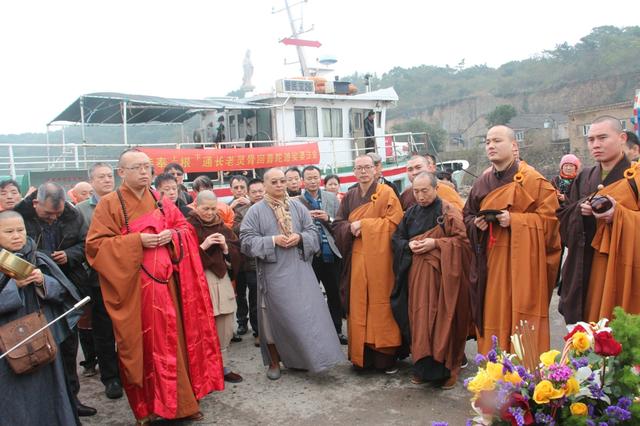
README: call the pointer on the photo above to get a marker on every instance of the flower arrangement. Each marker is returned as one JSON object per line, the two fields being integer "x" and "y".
{"x": 594, "y": 381}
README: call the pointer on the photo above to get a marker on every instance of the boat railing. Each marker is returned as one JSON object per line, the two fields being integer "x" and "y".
{"x": 336, "y": 154}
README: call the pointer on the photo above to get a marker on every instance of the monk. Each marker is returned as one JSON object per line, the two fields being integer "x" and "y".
{"x": 430, "y": 299}
{"x": 511, "y": 224}
{"x": 602, "y": 269}
{"x": 366, "y": 220}
{"x": 419, "y": 164}
{"x": 167, "y": 342}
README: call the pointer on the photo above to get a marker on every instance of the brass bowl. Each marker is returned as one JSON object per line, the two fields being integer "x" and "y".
{"x": 14, "y": 266}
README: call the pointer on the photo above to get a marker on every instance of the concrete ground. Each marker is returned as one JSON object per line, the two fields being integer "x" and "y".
{"x": 340, "y": 396}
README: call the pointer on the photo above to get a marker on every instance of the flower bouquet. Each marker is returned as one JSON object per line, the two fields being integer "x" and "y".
{"x": 595, "y": 380}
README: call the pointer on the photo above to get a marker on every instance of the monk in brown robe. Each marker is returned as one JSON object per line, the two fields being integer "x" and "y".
{"x": 167, "y": 342}
{"x": 430, "y": 300}
{"x": 418, "y": 164}
{"x": 511, "y": 224}
{"x": 366, "y": 220}
{"x": 602, "y": 269}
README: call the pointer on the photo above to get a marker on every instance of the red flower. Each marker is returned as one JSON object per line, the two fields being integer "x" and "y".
{"x": 606, "y": 345}
{"x": 574, "y": 331}
{"x": 516, "y": 400}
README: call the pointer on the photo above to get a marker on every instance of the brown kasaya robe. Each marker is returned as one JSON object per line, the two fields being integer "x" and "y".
{"x": 445, "y": 192}
{"x": 367, "y": 278}
{"x": 512, "y": 278}
{"x": 577, "y": 234}
{"x": 431, "y": 298}
{"x": 615, "y": 271}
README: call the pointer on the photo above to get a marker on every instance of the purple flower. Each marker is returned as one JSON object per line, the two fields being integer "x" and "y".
{"x": 559, "y": 373}
{"x": 580, "y": 362}
{"x": 624, "y": 402}
{"x": 494, "y": 342}
{"x": 466, "y": 381}
{"x": 591, "y": 422}
{"x": 469, "y": 423}
{"x": 492, "y": 355}
{"x": 480, "y": 359}
{"x": 439, "y": 424}
{"x": 596, "y": 391}
{"x": 617, "y": 413}
{"x": 518, "y": 415}
{"x": 542, "y": 418}
{"x": 508, "y": 366}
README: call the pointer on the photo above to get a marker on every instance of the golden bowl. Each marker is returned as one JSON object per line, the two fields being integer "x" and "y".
{"x": 14, "y": 266}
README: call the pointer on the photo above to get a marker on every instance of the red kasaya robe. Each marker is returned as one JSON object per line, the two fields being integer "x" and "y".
{"x": 167, "y": 341}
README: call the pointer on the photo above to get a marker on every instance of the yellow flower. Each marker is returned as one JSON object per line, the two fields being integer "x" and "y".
{"x": 513, "y": 378}
{"x": 549, "y": 357}
{"x": 572, "y": 387}
{"x": 579, "y": 409}
{"x": 494, "y": 370}
{"x": 481, "y": 382}
{"x": 580, "y": 341}
{"x": 545, "y": 392}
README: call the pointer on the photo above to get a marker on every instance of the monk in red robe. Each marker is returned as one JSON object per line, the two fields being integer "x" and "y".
{"x": 419, "y": 164}
{"x": 167, "y": 342}
{"x": 511, "y": 224}
{"x": 602, "y": 269}
{"x": 366, "y": 220}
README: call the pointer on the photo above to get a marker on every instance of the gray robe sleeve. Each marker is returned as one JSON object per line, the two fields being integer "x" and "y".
{"x": 252, "y": 241}
{"x": 10, "y": 299}
{"x": 53, "y": 290}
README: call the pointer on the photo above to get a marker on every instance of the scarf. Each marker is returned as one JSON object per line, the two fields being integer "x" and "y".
{"x": 281, "y": 210}
{"x": 327, "y": 254}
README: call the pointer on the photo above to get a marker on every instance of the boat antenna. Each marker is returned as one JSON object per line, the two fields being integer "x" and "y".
{"x": 295, "y": 39}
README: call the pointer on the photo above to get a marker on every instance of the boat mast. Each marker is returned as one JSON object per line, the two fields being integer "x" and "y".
{"x": 295, "y": 33}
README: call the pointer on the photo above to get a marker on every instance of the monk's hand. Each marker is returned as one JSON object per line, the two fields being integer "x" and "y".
{"x": 35, "y": 277}
{"x": 149, "y": 240}
{"x": 60, "y": 257}
{"x": 319, "y": 214}
{"x": 281, "y": 240}
{"x": 356, "y": 228}
{"x": 293, "y": 240}
{"x": 608, "y": 215}
{"x": 585, "y": 209}
{"x": 241, "y": 201}
{"x": 504, "y": 218}
{"x": 165, "y": 237}
{"x": 480, "y": 223}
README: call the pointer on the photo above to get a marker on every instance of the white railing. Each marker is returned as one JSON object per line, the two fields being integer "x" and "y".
{"x": 335, "y": 153}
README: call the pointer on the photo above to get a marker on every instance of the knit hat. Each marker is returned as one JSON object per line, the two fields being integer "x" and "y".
{"x": 570, "y": 159}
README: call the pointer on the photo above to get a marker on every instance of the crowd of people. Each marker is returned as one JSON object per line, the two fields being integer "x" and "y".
{"x": 176, "y": 275}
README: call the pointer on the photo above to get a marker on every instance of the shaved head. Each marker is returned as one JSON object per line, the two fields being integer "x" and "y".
{"x": 613, "y": 122}
{"x": 506, "y": 131}
{"x": 269, "y": 172}
{"x": 206, "y": 195}
{"x": 426, "y": 177}
{"x": 9, "y": 214}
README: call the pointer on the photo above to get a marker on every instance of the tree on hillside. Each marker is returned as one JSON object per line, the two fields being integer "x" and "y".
{"x": 436, "y": 135}
{"x": 501, "y": 115}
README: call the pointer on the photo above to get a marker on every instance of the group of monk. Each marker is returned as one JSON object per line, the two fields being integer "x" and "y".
{"x": 415, "y": 273}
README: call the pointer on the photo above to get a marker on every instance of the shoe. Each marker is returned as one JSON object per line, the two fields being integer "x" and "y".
{"x": 85, "y": 411}
{"x": 232, "y": 377}
{"x": 273, "y": 373}
{"x": 89, "y": 371}
{"x": 391, "y": 370}
{"x": 450, "y": 383}
{"x": 242, "y": 329}
{"x": 195, "y": 417}
{"x": 343, "y": 339}
{"x": 236, "y": 338}
{"x": 113, "y": 389}
{"x": 256, "y": 341}
{"x": 416, "y": 380}
{"x": 465, "y": 362}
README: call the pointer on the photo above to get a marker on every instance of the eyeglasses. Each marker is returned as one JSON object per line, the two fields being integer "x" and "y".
{"x": 362, "y": 168}
{"x": 139, "y": 167}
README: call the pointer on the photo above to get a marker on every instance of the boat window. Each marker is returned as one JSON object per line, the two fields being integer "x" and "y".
{"x": 306, "y": 121}
{"x": 379, "y": 119}
{"x": 331, "y": 122}
{"x": 357, "y": 118}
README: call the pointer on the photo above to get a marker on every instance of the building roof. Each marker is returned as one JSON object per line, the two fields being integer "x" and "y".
{"x": 106, "y": 108}
{"x": 601, "y": 107}
{"x": 536, "y": 121}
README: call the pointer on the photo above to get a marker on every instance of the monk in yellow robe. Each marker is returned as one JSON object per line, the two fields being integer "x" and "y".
{"x": 513, "y": 230}
{"x": 602, "y": 269}
{"x": 156, "y": 294}
{"x": 418, "y": 164}
{"x": 367, "y": 218}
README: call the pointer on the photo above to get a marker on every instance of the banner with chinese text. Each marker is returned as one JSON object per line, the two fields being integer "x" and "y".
{"x": 229, "y": 159}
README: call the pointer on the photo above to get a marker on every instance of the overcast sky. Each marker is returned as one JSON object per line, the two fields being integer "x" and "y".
{"x": 55, "y": 50}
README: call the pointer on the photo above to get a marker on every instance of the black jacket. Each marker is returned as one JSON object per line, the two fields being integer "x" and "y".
{"x": 72, "y": 232}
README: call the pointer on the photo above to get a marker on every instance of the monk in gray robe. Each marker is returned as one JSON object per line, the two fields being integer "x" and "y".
{"x": 294, "y": 321}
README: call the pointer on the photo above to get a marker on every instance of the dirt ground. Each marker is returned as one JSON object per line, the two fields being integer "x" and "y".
{"x": 339, "y": 396}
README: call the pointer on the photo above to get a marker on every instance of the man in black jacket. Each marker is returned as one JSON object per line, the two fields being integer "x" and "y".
{"x": 59, "y": 232}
